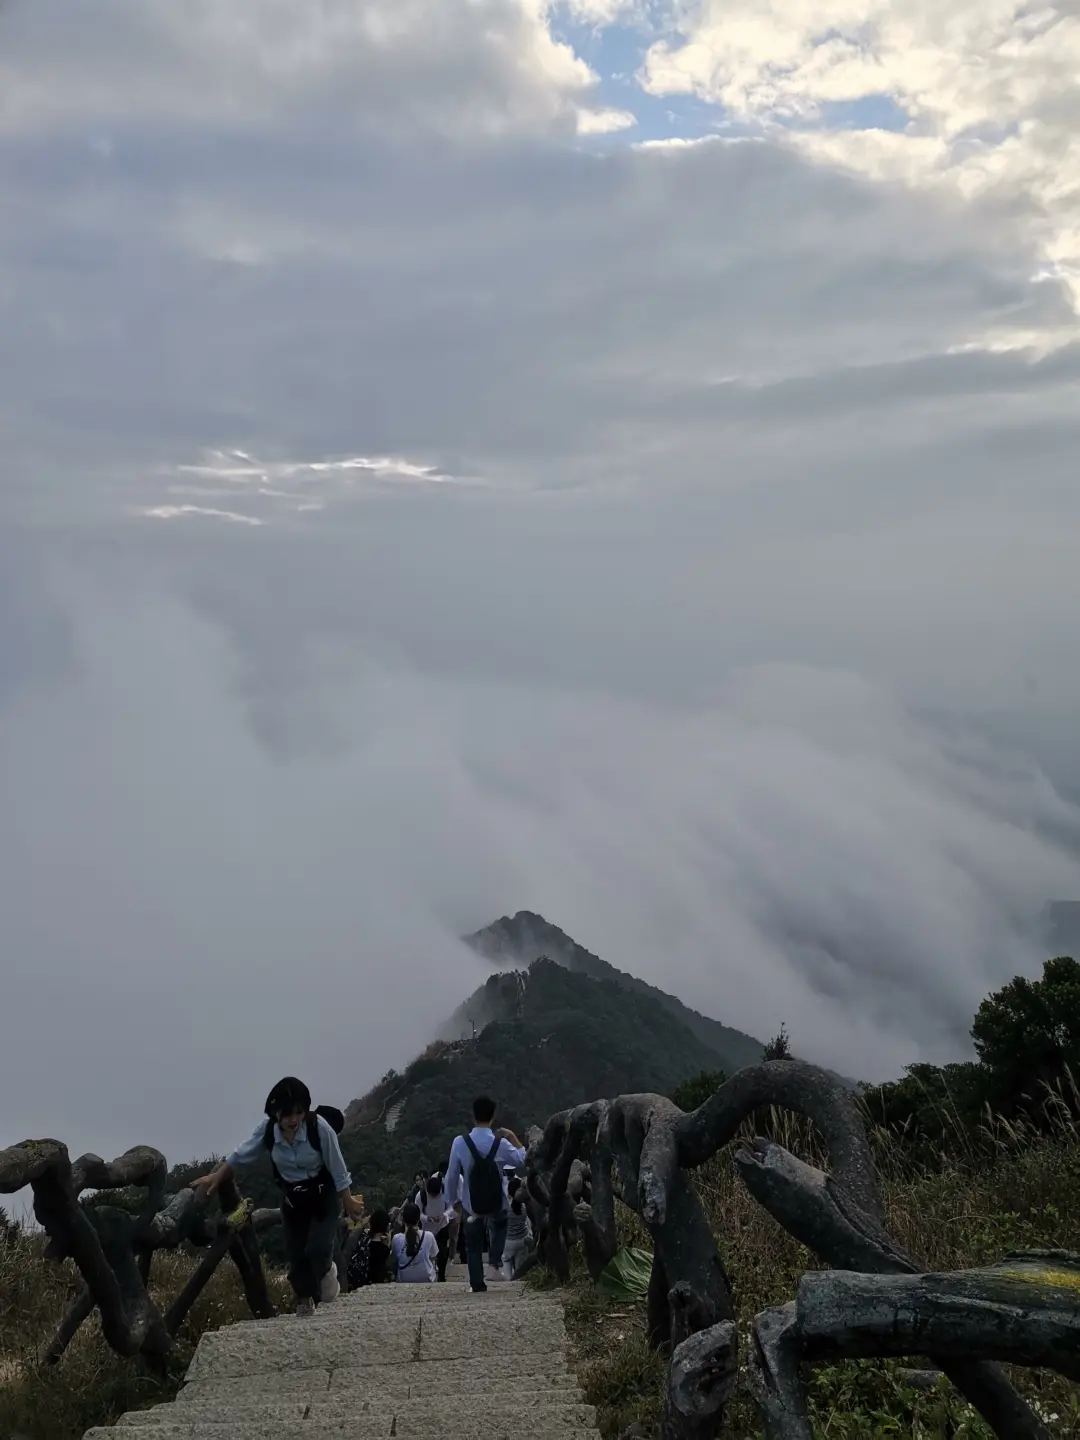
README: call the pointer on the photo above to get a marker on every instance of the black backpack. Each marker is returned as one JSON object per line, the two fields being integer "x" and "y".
{"x": 485, "y": 1180}
{"x": 359, "y": 1268}
{"x": 319, "y": 1184}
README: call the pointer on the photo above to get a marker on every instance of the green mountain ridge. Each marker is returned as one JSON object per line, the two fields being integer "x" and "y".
{"x": 548, "y": 1033}
{"x": 525, "y": 937}
{"x": 552, "y": 1031}
{"x": 552, "y": 1038}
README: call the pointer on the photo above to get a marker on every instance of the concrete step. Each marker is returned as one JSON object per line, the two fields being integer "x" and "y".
{"x": 364, "y": 1428}
{"x": 219, "y": 1400}
{"x": 400, "y": 1299}
{"x": 437, "y": 1295}
{"x": 522, "y": 1373}
{"x": 375, "y": 1339}
{"x": 352, "y": 1308}
{"x": 426, "y": 1412}
{"x": 394, "y": 1362}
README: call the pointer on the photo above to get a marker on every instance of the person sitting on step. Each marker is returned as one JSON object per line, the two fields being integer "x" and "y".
{"x": 415, "y": 1251}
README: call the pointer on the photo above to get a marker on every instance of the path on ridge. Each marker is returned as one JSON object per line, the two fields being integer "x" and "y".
{"x": 404, "y": 1361}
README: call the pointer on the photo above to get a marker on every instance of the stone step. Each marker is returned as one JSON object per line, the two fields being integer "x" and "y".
{"x": 426, "y": 1412}
{"x": 364, "y": 1428}
{"x": 376, "y": 1339}
{"x": 351, "y": 1307}
{"x": 522, "y": 1372}
{"x": 359, "y": 1402}
{"x": 393, "y": 1362}
{"x": 430, "y": 1297}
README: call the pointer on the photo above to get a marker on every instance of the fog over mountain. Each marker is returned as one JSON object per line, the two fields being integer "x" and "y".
{"x": 466, "y": 459}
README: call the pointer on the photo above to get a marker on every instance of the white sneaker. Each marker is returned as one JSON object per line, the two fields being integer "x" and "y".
{"x": 330, "y": 1288}
{"x": 493, "y": 1274}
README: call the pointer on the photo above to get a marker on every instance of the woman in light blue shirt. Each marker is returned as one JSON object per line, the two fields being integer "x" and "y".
{"x": 309, "y": 1168}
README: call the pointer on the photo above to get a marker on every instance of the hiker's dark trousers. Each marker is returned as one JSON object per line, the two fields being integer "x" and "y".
{"x": 481, "y": 1231}
{"x": 310, "y": 1234}
{"x": 442, "y": 1240}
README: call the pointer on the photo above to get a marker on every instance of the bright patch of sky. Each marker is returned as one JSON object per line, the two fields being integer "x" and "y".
{"x": 981, "y": 102}
{"x": 870, "y": 112}
{"x": 615, "y": 42}
{"x": 616, "y": 53}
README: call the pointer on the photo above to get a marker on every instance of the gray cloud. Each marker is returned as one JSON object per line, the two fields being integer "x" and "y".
{"x": 476, "y": 67}
{"x": 454, "y": 301}
{"x": 708, "y": 582}
{"x": 250, "y": 842}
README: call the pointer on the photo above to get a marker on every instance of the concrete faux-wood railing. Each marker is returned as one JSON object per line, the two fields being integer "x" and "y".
{"x": 642, "y": 1150}
{"x": 114, "y": 1249}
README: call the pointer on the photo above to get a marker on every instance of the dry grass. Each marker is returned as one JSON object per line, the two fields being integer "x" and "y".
{"x": 1019, "y": 1192}
{"x": 90, "y": 1385}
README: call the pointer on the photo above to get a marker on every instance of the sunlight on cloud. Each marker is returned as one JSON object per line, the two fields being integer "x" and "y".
{"x": 988, "y": 90}
{"x": 604, "y": 122}
{"x": 603, "y": 12}
{"x": 279, "y": 487}
{"x": 177, "y": 512}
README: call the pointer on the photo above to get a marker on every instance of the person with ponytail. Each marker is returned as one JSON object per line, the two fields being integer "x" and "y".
{"x": 416, "y": 1250}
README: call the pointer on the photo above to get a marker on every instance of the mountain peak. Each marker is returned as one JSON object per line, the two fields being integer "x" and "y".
{"x": 525, "y": 937}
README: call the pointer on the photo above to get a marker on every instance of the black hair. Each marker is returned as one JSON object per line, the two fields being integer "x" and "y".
{"x": 434, "y": 1185}
{"x": 516, "y": 1193}
{"x": 411, "y": 1216}
{"x": 483, "y": 1110}
{"x": 379, "y": 1223}
{"x": 287, "y": 1096}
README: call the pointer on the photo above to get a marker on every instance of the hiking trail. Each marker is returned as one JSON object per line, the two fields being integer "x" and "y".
{"x": 405, "y": 1362}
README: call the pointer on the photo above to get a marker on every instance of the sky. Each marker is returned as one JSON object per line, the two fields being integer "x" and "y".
{"x": 612, "y": 458}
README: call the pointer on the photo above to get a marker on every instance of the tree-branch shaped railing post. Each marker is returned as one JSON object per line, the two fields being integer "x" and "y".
{"x": 556, "y": 1163}
{"x": 688, "y": 1289}
{"x": 220, "y": 1246}
{"x": 1022, "y": 1311}
{"x": 129, "y": 1321}
{"x": 113, "y": 1249}
{"x": 244, "y": 1250}
{"x": 839, "y": 1216}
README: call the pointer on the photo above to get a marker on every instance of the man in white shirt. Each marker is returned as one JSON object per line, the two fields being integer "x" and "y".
{"x": 476, "y": 1180}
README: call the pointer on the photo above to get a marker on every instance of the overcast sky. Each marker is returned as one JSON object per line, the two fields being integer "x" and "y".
{"x": 612, "y": 459}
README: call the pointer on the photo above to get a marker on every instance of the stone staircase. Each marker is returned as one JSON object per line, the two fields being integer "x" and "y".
{"x": 406, "y": 1362}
